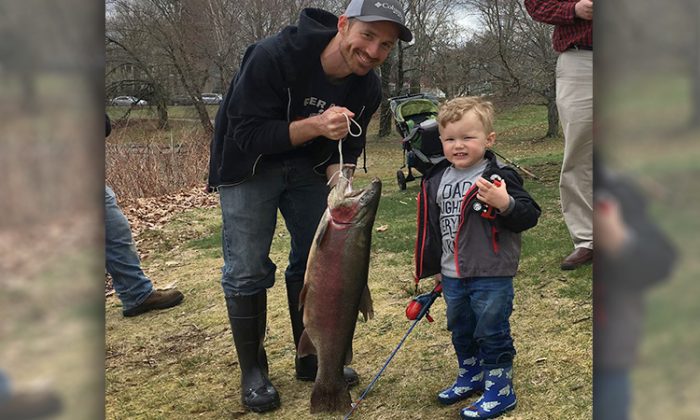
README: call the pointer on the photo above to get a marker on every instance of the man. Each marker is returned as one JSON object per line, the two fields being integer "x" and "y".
{"x": 133, "y": 287}
{"x": 573, "y": 38}
{"x": 275, "y": 137}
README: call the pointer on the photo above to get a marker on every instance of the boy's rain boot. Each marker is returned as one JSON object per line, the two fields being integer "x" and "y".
{"x": 498, "y": 397}
{"x": 307, "y": 366}
{"x": 469, "y": 381}
{"x": 248, "y": 316}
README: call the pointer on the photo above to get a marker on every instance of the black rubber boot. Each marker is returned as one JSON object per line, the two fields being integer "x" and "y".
{"x": 248, "y": 316}
{"x": 307, "y": 366}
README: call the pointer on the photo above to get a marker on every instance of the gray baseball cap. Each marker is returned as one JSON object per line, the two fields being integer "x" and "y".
{"x": 378, "y": 10}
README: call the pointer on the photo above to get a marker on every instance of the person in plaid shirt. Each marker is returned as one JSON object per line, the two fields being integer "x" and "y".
{"x": 573, "y": 39}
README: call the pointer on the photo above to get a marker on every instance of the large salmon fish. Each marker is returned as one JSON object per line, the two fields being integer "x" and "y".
{"x": 335, "y": 289}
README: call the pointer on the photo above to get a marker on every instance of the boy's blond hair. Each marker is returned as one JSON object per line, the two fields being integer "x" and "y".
{"x": 454, "y": 109}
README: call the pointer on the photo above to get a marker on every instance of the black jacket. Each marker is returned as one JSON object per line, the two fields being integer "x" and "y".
{"x": 484, "y": 247}
{"x": 620, "y": 283}
{"x": 253, "y": 121}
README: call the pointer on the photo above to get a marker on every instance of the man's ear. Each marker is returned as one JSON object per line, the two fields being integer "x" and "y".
{"x": 343, "y": 23}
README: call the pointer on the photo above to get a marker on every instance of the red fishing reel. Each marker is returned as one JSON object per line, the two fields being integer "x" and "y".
{"x": 419, "y": 306}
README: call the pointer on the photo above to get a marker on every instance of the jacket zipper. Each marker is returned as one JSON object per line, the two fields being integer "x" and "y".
{"x": 494, "y": 242}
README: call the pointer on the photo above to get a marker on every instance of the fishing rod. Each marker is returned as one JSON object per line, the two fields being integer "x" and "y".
{"x": 525, "y": 171}
{"x": 417, "y": 309}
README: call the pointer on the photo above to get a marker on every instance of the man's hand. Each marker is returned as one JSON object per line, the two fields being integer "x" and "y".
{"x": 584, "y": 9}
{"x": 494, "y": 196}
{"x": 331, "y": 124}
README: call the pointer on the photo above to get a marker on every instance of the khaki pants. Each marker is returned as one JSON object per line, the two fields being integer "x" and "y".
{"x": 575, "y": 105}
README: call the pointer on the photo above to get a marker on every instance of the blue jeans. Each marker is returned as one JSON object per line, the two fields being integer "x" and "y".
{"x": 249, "y": 212}
{"x": 121, "y": 260}
{"x": 611, "y": 394}
{"x": 4, "y": 386}
{"x": 478, "y": 312}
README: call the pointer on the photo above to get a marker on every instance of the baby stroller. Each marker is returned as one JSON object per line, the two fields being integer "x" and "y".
{"x": 415, "y": 117}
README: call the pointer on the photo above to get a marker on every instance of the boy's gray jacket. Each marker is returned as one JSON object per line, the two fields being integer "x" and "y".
{"x": 483, "y": 247}
{"x": 263, "y": 98}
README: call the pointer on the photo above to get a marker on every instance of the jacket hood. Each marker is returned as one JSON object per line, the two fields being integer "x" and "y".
{"x": 295, "y": 44}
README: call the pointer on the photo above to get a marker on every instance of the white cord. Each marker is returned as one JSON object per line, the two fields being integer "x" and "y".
{"x": 340, "y": 146}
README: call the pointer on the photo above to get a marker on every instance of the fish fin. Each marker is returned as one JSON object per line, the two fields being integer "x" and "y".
{"x": 306, "y": 347}
{"x": 366, "y": 306}
{"x": 348, "y": 356}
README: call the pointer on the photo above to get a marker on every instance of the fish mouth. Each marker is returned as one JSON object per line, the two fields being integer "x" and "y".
{"x": 354, "y": 205}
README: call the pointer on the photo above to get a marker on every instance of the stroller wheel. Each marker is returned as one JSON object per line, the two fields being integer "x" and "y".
{"x": 401, "y": 179}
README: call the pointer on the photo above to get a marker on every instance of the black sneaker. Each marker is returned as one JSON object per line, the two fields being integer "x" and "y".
{"x": 159, "y": 299}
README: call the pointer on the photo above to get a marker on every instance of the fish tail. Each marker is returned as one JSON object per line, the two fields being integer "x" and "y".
{"x": 330, "y": 398}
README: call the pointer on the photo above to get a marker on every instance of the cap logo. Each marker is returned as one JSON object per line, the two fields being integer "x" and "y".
{"x": 390, "y": 7}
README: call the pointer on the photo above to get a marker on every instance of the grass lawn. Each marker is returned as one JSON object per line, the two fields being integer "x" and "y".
{"x": 181, "y": 363}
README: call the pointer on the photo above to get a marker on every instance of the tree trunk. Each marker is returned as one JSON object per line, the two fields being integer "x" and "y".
{"x": 399, "y": 71}
{"x": 162, "y": 110}
{"x": 204, "y": 117}
{"x": 384, "y": 111}
{"x": 552, "y": 119}
{"x": 552, "y": 111}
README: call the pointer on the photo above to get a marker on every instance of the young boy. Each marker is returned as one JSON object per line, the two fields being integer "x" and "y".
{"x": 471, "y": 210}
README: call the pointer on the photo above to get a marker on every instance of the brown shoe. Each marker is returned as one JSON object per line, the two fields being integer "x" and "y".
{"x": 159, "y": 299}
{"x": 579, "y": 257}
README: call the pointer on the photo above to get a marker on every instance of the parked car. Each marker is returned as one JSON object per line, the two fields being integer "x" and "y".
{"x": 128, "y": 101}
{"x": 181, "y": 100}
{"x": 212, "y": 98}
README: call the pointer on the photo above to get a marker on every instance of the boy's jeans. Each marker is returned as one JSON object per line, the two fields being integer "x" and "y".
{"x": 249, "y": 212}
{"x": 4, "y": 386}
{"x": 611, "y": 394}
{"x": 478, "y": 312}
{"x": 122, "y": 261}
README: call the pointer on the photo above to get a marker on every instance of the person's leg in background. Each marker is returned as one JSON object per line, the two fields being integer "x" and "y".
{"x": 575, "y": 106}
{"x": 122, "y": 262}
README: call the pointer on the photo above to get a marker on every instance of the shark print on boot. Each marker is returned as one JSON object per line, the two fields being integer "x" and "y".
{"x": 498, "y": 397}
{"x": 469, "y": 381}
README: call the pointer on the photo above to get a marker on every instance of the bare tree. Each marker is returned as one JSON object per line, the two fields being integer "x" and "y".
{"x": 165, "y": 37}
{"x": 517, "y": 53}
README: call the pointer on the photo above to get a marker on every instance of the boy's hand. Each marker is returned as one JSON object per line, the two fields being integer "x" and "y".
{"x": 436, "y": 280}
{"x": 494, "y": 196}
{"x": 612, "y": 233}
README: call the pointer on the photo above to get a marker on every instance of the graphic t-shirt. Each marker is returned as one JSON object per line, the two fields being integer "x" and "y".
{"x": 454, "y": 185}
{"x": 319, "y": 94}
